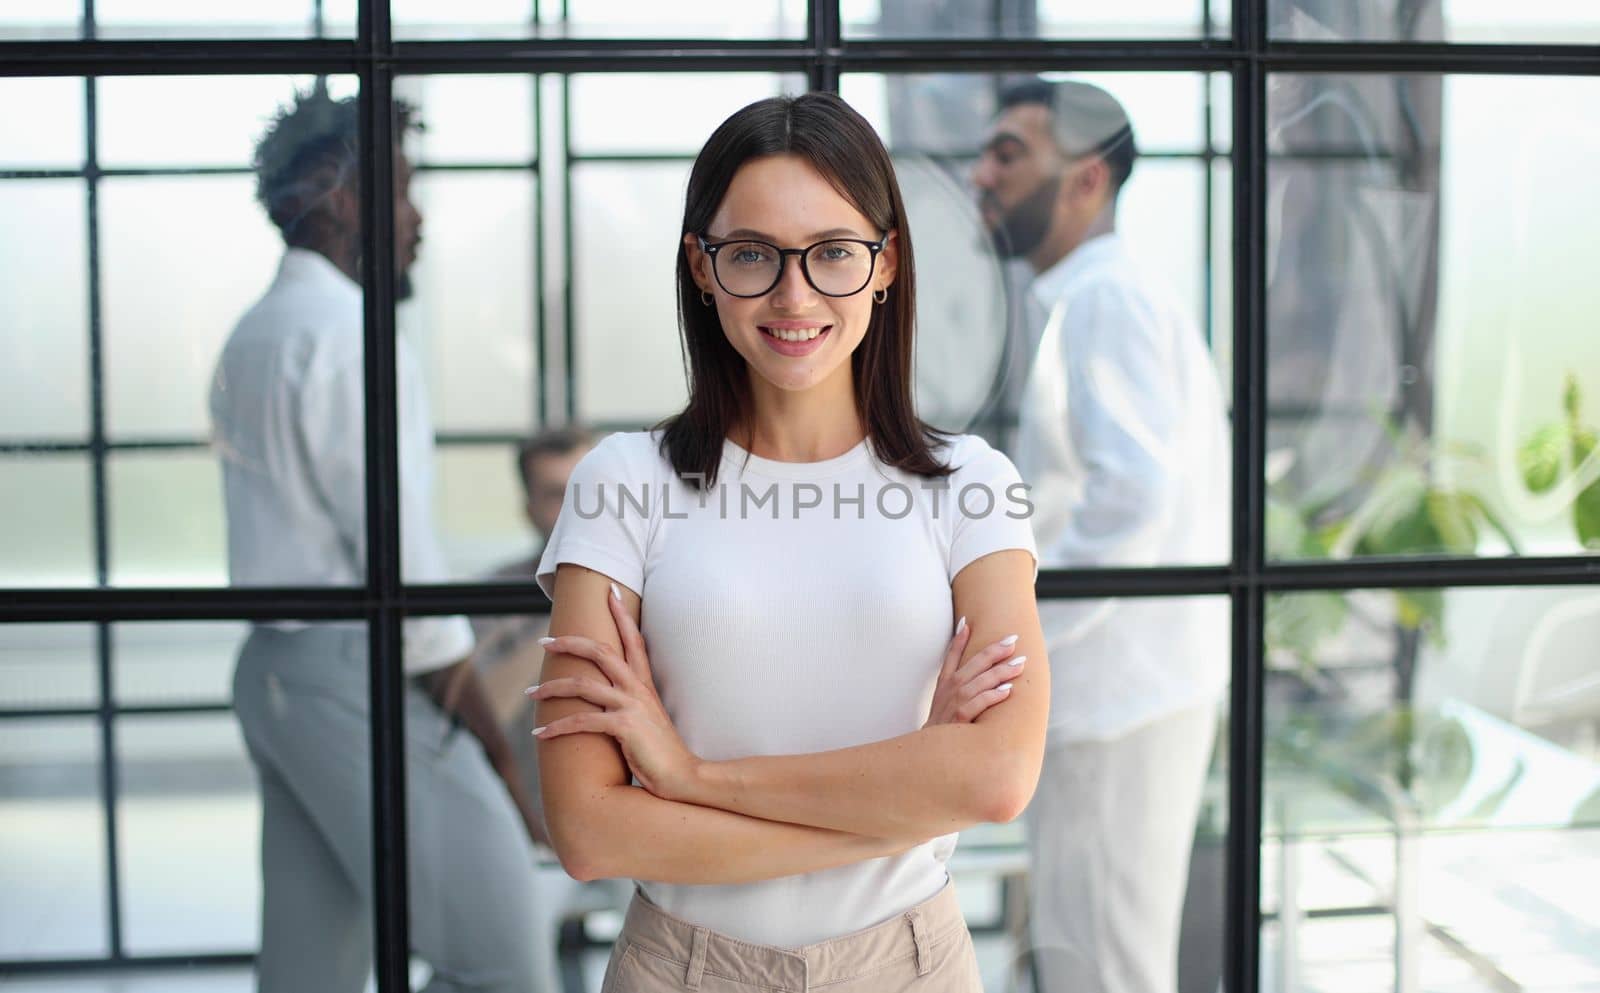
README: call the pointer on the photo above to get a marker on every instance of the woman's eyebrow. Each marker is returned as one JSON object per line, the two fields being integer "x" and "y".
{"x": 818, "y": 236}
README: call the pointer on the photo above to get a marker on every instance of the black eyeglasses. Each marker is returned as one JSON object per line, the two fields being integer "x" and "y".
{"x": 838, "y": 267}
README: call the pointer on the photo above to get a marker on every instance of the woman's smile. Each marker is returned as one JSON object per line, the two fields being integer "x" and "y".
{"x": 794, "y": 338}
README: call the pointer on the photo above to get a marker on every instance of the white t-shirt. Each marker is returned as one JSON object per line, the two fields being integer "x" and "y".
{"x": 796, "y": 608}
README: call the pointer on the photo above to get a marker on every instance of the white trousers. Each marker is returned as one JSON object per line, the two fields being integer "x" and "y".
{"x": 1109, "y": 834}
{"x": 301, "y": 699}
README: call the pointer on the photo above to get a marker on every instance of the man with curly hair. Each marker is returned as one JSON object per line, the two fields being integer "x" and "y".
{"x": 288, "y": 413}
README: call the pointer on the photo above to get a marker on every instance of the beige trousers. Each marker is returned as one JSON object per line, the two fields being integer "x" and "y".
{"x": 927, "y": 949}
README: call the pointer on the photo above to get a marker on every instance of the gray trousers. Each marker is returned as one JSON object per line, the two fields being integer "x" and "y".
{"x": 301, "y": 699}
{"x": 1110, "y": 829}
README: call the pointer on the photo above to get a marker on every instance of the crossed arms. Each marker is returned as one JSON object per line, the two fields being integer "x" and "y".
{"x": 764, "y": 817}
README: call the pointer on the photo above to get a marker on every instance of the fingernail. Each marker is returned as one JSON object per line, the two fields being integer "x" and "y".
{"x": 1016, "y": 661}
{"x": 1003, "y": 688}
{"x": 961, "y": 625}
{"x": 546, "y": 641}
{"x": 530, "y": 691}
{"x": 616, "y": 594}
{"x": 538, "y": 729}
{"x": 1009, "y": 639}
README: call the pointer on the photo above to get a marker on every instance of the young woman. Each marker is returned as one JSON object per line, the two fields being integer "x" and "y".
{"x": 776, "y": 754}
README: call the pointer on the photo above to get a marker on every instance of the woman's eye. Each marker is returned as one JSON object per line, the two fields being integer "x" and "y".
{"x": 837, "y": 253}
{"x": 746, "y": 255}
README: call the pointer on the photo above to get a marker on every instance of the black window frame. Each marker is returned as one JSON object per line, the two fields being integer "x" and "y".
{"x": 1248, "y": 56}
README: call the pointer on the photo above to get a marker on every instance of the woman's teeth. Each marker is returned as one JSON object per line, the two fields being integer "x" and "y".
{"x": 794, "y": 334}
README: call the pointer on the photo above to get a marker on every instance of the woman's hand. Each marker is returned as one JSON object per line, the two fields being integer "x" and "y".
{"x": 633, "y": 712}
{"x": 965, "y": 691}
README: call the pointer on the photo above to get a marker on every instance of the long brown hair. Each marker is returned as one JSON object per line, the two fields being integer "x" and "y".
{"x": 827, "y": 133}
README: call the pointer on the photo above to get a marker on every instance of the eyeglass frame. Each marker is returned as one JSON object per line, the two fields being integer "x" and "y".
{"x": 873, "y": 247}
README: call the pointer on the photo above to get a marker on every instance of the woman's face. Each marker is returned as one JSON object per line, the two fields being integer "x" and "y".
{"x": 781, "y": 199}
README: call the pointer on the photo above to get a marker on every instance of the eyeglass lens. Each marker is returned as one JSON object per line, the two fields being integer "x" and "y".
{"x": 833, "y": 268}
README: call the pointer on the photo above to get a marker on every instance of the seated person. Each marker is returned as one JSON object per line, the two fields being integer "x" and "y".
{"x": 508, "y": 655}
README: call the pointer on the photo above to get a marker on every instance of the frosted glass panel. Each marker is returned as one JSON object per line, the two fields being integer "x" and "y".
{"x": 662, "y": 113}
{"x": 221, "y": 119}
{"x": 48, "y": 665}
{"x": 204, "y": 19}
{"x": 182, "y": 259}
{"x": 48, "y": 527}
{"x": 41, "y": 122}
{"x": 175, "y": 663}
{"x": 44, "y": 336}
{"x": 475, "y": 289}
{"x": 167, "y": 526}
{"x": 479, "y": 509}
{"x": 476, "y": 119}
{"x": 625, "y": 232}
{"x": 190, "y": 822}
{"x": 52, "y": 840}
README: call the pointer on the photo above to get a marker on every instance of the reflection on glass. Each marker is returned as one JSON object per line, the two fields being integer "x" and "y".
{"x": 48, "y": 665}
{"x": 48, "y": 527}
{"x": 44, "y": 352}
{"x": 189, "y": 822}
{"x": 1431, "y": 378}
{"x": 52, "y": 840}
{"x": 1432, "y": 770}
{"x": 1533, "y": 22}
{"x": 1067, "y": 19}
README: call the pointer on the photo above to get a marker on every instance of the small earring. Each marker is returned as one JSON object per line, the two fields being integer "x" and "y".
{"x": 706, "y": 298}
{"x": 879, "y": 296}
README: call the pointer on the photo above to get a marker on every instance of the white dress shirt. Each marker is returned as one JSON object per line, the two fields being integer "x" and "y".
{"x": 1123, "y": 436}
{"x": 287, "y": 410}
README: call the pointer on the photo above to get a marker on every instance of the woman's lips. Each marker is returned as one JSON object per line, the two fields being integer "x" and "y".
{"x": 793, "y": 348}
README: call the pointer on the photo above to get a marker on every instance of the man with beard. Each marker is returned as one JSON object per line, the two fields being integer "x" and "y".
{"x": 1123, "y": 437}
{"x": 288, "y": 415}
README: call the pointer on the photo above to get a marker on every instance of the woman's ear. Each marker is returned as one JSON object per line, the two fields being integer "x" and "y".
{"x": 888, "y": 263}
{"x": 699, "y": 263}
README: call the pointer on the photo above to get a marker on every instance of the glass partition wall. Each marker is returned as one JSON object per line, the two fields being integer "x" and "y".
{"x": 1376, "y": 216}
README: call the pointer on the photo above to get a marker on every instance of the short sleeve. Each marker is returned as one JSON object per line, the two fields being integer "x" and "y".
{"x": 990, "y": 508}
{"x": 605, "y": 519}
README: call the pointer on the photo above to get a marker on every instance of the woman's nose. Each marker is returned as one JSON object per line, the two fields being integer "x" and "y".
{"x": 792, "y": 290}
